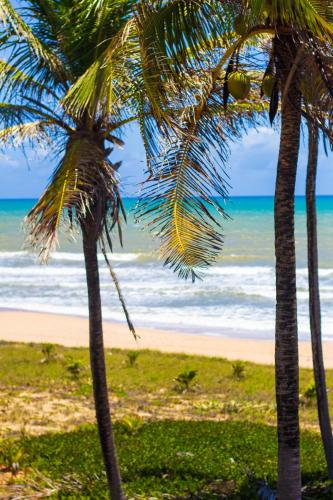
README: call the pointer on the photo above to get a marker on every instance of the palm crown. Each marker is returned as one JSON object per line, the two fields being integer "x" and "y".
{"x": 190, "y": 173}
{"x": 74, "y": 74}
{"x": 77, "y": 72}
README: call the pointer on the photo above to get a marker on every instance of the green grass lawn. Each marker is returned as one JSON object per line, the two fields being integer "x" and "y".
{"x": 215, "y": 440}
{"x": 150, "y": 384}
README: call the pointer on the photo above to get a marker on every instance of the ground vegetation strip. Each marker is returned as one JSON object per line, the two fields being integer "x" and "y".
{"x": 185, "y": 425}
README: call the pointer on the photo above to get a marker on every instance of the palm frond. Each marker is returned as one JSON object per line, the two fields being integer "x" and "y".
{"x": 313, "y": 15}
{"x": 82, "y": 177}
{"x": 15, "y": 25}
{"x": 173, "y": 32}
{"x": 183, "y": 198}
{"x": 11, "y": 114}
{"x": 171, "y": 35}
{"x": 37, "y": 132}
{"x": 100, "y": 88}
{"x": 15, "y": 82}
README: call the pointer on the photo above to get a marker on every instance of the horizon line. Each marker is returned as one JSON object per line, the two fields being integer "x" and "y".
{"x": 135, "y": 197}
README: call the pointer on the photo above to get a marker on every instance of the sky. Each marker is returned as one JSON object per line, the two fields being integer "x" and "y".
{"x": 252, "y": 167}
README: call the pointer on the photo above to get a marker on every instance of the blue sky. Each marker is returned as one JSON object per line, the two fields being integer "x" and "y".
{"x": 252, "y": 167}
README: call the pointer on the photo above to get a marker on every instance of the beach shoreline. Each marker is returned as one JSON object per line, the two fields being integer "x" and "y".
{"x": 72, "y": 331}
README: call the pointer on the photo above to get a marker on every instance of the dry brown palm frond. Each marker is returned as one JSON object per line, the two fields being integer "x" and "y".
{"x": 117, "y": 286}
{"x": 37, "y": 132}
{"x": 83, "y": 177}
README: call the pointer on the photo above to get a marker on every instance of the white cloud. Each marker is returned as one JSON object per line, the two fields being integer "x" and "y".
{"x": 8, "y": 161}
{"x": 265, "y": 137}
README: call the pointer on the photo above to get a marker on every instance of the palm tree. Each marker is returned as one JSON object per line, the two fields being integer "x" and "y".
{"x": 44, "y": 44}
{"x": 314, "y": 299}
{"x": 286, "y": 352}
{"x": 315, "y": 98}
{"x": 298, "y": 32}
{"x": 74, "y": 75}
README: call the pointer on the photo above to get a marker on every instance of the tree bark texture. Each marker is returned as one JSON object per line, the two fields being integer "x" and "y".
{"x": 97, "y": 361}
{"x": 314, "y": 300}
{"x": 286, "y": 351}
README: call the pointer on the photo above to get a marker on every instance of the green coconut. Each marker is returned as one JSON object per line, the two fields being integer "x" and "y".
{"x": 268, "y": 85}
{"x": 239, "y": 84}
{"x": 240, "y": 26}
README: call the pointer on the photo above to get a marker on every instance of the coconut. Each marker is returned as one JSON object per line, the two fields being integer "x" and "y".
{"x": 239, "y": 84}
{"x": 240, "y": 26}
{"x": 268, "y": 85}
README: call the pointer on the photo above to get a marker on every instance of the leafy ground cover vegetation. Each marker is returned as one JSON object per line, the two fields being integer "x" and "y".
{"x": 167, "y": 459}
{"x": 211, "y": 437}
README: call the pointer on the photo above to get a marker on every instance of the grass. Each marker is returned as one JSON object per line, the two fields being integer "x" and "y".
{"x": 216, "y": 439}
{"x": 21, "y": 366}
{"x": 150, "y": 383}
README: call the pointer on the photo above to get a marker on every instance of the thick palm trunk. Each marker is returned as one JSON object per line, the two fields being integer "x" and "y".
{"x": 286, "y": 353}
{"x": 97, "y": 360}
{"x": 314, "y": 301}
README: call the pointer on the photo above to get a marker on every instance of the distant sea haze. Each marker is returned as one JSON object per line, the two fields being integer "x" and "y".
{"x": 236, "y": 297}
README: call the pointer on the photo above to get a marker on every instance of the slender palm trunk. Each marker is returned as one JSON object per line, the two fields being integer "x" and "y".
{"x": 97, "y": 361}
{"x": 314, "y": 300}
{"x": 286, "y": 351}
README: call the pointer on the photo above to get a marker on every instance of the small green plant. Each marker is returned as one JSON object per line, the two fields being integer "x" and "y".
{"x": 75, "y": 369}
{"x": 309, "y": 395}
{"x": 84, "y": 389}
{"x": 238, "y": 369}
{"x": 10, "y": 455}
{"x": 310, "y": 391}
{"x": 132, "y": 357}
{"x": 185, "y": 379}
{"x": 49, "y": 353}
{"x": 132, "y": 424}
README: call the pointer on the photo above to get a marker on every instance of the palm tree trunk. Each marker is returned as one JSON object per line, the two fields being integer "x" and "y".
{"x": 314, "y": 300}
{"x": 97, "y": 361}
{"x": 286, "y": 350}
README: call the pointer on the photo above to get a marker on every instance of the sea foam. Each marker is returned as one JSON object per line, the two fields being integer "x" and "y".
{"x": 236, "y": 296}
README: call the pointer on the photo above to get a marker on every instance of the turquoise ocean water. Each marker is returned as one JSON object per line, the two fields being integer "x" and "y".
{"x": 236, "y": 297}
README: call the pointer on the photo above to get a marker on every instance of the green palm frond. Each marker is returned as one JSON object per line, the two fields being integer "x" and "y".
{"x": 102, "y": 86}
{"x": 15, "y": 25}
{"x": 14, "y": 81}
{"x": 183, "y": 198}
{"x": 170, "y": 30}
{"x": 13, "y": 114}
{"x": 83, "y": 176}
{"x": 178, "y": 201}
{"x": 171, "y": 33}
{"x": 313, "y": 15}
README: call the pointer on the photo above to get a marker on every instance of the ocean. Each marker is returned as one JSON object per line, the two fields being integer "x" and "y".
{"x": 235, "y": 298}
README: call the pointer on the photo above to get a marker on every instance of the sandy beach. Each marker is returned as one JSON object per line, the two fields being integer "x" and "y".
{"x": 18, "y": 326}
